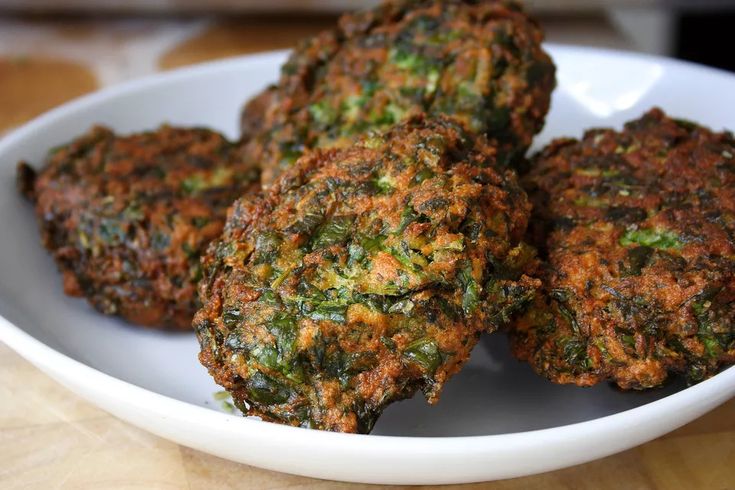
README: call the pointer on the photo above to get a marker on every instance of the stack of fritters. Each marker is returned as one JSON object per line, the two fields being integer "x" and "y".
{"x": 365, "y": 274}
{"x": 126, "y": 218}
{"x": 371, "y": 268}
{"x": 639, "y": 230}
{"x": 479, "y": 62}
{"x": 390, "y": 234}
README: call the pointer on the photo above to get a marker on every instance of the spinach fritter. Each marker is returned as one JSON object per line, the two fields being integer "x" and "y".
{"x": 252, "y": 118}
{"x": 127, "y": 217}
{"x": 363, "y": 275}
{"x": 478, "y": 61}
{"x": 639, "y": 229}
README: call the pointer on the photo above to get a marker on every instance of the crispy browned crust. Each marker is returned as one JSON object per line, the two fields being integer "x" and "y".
{"x": 365, "y": 274}
{"x": 126, "y": 218}
{"x": 478, "y": 61}
{"x": 639, "y": 229}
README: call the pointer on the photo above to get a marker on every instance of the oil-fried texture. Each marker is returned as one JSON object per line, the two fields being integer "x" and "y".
{"x": 479, "y": 61}
{"x": 252, "y": 118}
{"x": 126, "y": 218}
{"x": 363, "y": 275}
{"x": 640, "y": 236}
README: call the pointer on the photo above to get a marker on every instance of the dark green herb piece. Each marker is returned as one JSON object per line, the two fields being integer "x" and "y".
{"x": 425, "y": 353}
{"x": 333, "y": 232}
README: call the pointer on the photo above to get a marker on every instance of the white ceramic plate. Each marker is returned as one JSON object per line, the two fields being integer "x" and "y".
{"x": 496, "y": 419}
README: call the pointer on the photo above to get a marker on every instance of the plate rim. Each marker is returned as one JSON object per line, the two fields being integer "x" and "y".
{"x": 692, "y": 401}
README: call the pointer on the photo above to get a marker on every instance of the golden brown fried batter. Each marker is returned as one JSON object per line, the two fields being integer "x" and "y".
{"x": 478, "y": 61}
{"x": 126, "y": 218}
{"x": 365, "y": 274}
{"x": 639, "y": 228}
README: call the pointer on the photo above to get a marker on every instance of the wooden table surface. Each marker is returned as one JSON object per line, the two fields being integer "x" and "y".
{"x": 50, "y": 438}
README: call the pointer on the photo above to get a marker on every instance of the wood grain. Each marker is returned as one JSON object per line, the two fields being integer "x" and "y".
{"x": 249, "y": 34}
{"x": 25, "y": 90}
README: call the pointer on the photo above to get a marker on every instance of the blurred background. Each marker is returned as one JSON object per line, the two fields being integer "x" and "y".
{"x": 54, "y": 50}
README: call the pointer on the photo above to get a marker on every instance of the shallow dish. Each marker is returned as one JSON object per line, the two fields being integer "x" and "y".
{"x": 496, "y": 419}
